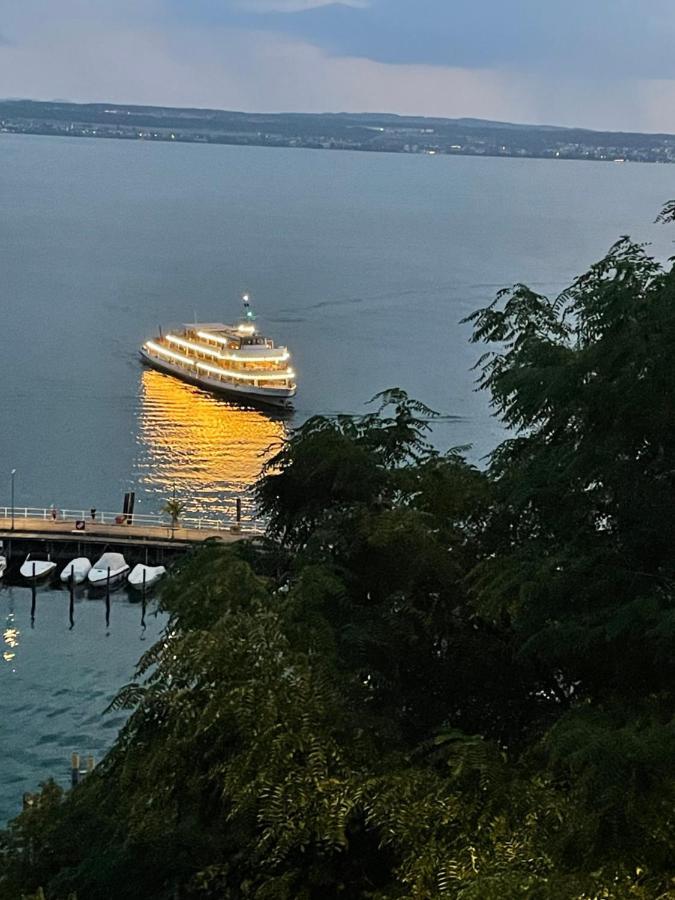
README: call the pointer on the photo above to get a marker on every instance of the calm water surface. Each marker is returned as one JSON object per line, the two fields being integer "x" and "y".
{"x": 364, "y": 264}
{"x": 56, "y": 681}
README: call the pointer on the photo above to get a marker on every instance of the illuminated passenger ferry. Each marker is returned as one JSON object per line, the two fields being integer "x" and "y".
{"x": 234, "y": 360}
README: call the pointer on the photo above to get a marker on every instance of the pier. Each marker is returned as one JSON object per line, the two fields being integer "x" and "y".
{"x": 67, "y": 533}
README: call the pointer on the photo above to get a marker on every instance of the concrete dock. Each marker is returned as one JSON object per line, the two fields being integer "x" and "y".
{"x": 97, "y": 533}
{"x": 149, "y": 543}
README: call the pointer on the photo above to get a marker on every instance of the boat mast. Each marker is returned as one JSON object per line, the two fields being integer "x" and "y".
{"x": 248, "y": 312}
{"x": 247, "y": 324}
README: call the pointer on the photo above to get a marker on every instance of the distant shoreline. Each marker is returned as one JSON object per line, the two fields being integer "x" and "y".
{"x": 233, "y": 143}
{"x": 362, "y": 132}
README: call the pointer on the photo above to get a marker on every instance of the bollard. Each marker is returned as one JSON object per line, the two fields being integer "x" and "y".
{"x": 238, "y": 510}
{"x": 74, "y": 769}
{"x": 33, "y": 592}
{"x": 90, "y": 764}
{"x": 71, "y": 607}
{"x": 143, "y": 602}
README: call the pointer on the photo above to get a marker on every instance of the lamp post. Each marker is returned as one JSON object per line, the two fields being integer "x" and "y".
{"x": 12, "y": 492}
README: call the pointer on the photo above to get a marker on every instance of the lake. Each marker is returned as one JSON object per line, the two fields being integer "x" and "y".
{"x": 364, "y": 264}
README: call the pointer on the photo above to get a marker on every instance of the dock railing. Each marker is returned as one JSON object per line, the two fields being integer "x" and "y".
{"x": 246, "y": 520}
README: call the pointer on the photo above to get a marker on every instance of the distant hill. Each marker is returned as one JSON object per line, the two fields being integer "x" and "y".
{"x": 336, "y": 131}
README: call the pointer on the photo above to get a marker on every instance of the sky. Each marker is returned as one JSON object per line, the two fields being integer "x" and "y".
{"x": 606, "y": 64}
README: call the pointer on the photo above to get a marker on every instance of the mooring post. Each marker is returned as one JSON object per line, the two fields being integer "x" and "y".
{"x": 90, "y": 764}
{"x": 13, "y": 473}
{"x": 74, "y": 768}
{"x": 143, "y": 601}
{"x": 33, "y": 591}
{"x": 107, "y": 598}
{"x": 71, "y": 607}
{"x": 238, "y": 510}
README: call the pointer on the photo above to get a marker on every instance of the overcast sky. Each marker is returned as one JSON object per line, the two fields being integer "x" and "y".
{"x": 595, "y": 63}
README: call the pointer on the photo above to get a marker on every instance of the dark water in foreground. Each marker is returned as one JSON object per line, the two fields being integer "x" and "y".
{"x": 55, "y": 682}
{"x": 363, "y": 264}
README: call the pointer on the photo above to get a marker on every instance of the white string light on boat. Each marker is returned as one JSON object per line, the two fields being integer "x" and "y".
{"x": 162, "y": 351}
{"x": 245, "y": 376}
{"x": 196, "y": 348}
{"x": 281, "y": 356}
{"x": 232, "y": 374}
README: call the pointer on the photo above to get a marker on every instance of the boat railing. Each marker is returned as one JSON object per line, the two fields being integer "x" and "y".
{"x": 246, "y": 520}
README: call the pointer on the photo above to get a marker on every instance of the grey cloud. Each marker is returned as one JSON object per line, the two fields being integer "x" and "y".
{"x": 456, "y": 58}
{"x": 602, "y": 38}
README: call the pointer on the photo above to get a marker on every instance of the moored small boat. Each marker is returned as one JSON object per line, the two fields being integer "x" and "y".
{"x": 3, "y": 565}
{"x": 37, "y": 566}
{"x": 78, "y": 570}
{"x": 152, "y": 576}
{"x": 111, "y": 566}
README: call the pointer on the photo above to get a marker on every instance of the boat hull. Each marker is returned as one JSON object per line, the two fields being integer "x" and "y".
{"x": 79, "y": 568}
{"x": 37, "y": 571}
{"x": 99, "y": 578}
{"x": 240, "y": 393}
{"x": 152, "y": 576}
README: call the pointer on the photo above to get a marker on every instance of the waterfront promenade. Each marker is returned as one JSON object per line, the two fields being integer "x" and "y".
{"x": 70, "y": 525}
{"x": 30, "y": 528}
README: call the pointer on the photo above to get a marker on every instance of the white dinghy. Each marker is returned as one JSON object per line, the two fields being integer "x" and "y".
{"x": 152, "y": 576}
{"x": 3, "y": 565}
{"x": 78, "y": 569}
{"x": 37, "y": 566}
{"x": 110, "y": 564}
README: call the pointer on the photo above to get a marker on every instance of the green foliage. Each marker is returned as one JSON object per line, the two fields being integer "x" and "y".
{"x": 174, "y": 508}
{"x": 584, "y": 560}
{"x": 329, "y": 464}
{"x": 429, "y": 681}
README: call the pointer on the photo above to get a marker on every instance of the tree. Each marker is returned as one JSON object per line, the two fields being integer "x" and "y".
{"x": 582, "y": 560}
{"x": 174, "y": 508}
{"x": 331, "y": 464}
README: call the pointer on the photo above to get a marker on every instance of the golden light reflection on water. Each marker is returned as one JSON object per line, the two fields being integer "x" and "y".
{"x": 11, "y": 639}
{"x": 210, "y": 450}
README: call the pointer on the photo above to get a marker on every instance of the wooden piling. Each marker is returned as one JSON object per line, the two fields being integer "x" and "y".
{"x": 71, "y": 607}
{"x": 74, "y": 768}
{"x": 33, "y": 590}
